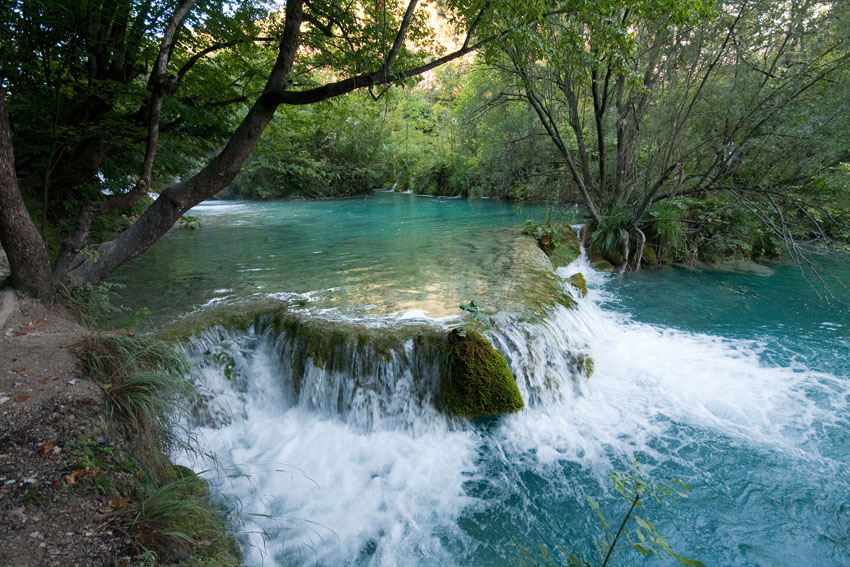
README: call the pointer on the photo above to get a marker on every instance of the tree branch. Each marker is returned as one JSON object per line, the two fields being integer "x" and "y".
{"x": 370, "y": 79}
{"x": 212, "y": 49}
{"x": 159, "y": 86}
{"x": 399, "y": 38}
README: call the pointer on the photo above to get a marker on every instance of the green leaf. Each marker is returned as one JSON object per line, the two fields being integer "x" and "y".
{"x": 645, "y": 524}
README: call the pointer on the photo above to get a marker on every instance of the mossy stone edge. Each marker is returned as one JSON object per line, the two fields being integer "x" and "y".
{"x": 477, "y": 380}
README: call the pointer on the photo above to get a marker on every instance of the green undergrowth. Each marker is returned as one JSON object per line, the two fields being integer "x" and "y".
{"x": 476, "y": 380}
{"x": 164, "y": 510}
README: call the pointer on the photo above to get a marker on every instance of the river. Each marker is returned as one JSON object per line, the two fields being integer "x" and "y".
{"x": 735, "y": 381}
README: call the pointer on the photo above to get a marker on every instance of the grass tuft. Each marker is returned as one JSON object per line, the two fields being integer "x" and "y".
{"x": 175, "y": 520}
{"x": 144, "y": 379}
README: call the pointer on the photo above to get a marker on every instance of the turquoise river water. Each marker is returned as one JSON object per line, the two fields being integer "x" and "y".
{"x": 735, "y": 381}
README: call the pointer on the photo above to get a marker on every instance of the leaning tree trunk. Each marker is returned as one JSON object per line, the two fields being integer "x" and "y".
{"x": 174, "y": 201}
{"x": 23, "y": 244}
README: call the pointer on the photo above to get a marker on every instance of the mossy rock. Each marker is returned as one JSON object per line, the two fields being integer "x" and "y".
{"x": 577, "y": 280}
{"x": 477, "y": 381}
{"x": 564, "y": 255}
{"x": 649, "y": 255}
{"x": 615, "y": 258}
{"x": 603, "y": 266}
{"x": 547, "y": 244}
{"x": 584, "y": 364}
{"x": 562, "y": 247}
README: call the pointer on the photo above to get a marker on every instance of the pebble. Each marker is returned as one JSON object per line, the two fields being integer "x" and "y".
{"x": 4, "y": 399}
{"x": 72, "y": 382}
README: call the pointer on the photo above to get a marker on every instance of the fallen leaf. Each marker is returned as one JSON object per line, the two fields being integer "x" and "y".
{"x": 78, "y": 348}
{"x": 119, "y": 502}
{"x": 49, "y": 379}
{"x": 131, "y": 335}
{"x": 91, "y": 472}
{"x": 66, "y": 345}
{"x": 27, "y": 329}
{"x": 46, "y": 448}
{"x": 22, "y": 398}
{"x": 75, "y": 474}
{"x": 19, "y": 369}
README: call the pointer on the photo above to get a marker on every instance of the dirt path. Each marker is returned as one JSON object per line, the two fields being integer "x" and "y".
{"x": 49, "y": 412}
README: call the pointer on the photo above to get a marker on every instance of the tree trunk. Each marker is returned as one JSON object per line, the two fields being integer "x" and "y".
{"x": 24, "y": 247}
{"x": 179, "y": 198}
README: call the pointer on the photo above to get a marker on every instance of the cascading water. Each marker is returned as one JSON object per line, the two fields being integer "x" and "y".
{"x": 350, "y": 461}
{"x": 330, "y": 447}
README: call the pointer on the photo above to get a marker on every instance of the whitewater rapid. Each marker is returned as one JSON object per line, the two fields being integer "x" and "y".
{"x": 391, "y": 481}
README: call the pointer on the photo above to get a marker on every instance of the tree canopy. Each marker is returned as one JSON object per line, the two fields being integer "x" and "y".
{"x": 682, "y": 127}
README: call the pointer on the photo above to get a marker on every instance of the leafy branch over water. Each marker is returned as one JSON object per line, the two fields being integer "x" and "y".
{"x": 633, "y": 531}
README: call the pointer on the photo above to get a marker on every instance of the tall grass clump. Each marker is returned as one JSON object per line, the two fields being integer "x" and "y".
{"x": 92, "y": 305}
{"x": 170, "y": 518}
{"x": 175, "y": 520}
{"x": 143, "y": 378}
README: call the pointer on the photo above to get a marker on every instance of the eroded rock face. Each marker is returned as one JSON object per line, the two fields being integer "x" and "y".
{"x": 477, "y": 381}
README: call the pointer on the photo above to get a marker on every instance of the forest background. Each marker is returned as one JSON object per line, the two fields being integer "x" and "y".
{"x": 681, "y": 129}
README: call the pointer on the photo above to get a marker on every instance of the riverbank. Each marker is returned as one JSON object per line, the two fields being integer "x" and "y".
{"x": 76, "y": 479}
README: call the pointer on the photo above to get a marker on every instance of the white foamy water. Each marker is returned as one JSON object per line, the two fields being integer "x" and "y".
{"x": 360, "y": 468}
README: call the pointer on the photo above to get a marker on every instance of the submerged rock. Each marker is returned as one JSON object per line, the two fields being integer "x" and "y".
{"x": 477, "y": 381}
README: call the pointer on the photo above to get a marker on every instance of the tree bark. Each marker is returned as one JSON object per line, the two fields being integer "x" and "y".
{"x": 180, "y": 197}
{"x": 24, "y": 247}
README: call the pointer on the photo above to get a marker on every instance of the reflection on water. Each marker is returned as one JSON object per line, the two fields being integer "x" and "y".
{"x": 384, "y": 254}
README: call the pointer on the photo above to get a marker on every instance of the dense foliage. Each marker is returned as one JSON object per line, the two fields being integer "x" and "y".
{"x": 684, "y": 128}
{"x": 700, "y": 132}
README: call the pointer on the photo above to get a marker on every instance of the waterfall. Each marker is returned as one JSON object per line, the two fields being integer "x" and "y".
{"x": 370, "y": 376}
{"x": 333, "y": 448}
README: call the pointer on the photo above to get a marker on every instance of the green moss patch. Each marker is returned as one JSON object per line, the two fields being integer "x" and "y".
{"x": 649, "y": 256}
{"x": 584, "y": 364}
{"x": 477, "y": 381}
{"x": 577, "y": 280}
{"x": 568, "y": 249}
{"x": 557, "y": 240}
